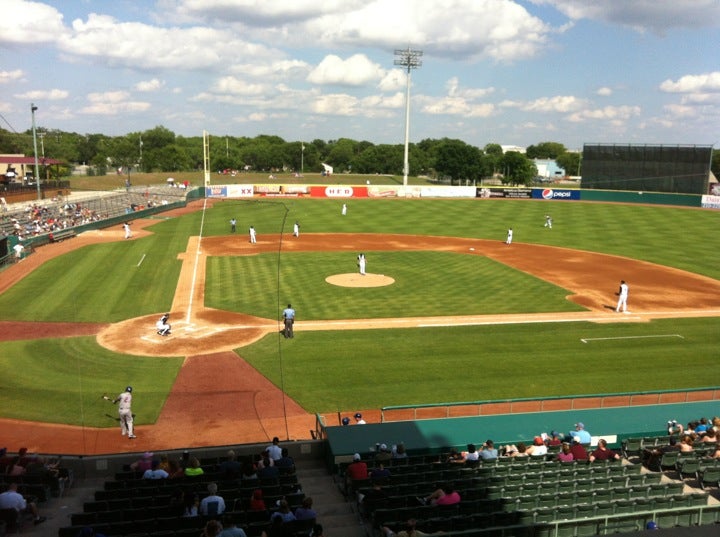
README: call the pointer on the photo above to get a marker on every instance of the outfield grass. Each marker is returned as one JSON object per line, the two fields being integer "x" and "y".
{"x": 359, "y": 369}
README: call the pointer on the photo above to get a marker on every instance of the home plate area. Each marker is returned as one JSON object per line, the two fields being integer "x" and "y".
{"x": 185, "y": 330}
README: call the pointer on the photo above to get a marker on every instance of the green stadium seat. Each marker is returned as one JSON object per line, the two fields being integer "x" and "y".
{"x": 709, "y": 477}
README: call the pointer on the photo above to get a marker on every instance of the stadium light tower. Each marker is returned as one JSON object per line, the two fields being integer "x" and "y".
{"x": 409, "y": 59}
{"x": 33, "y": 108}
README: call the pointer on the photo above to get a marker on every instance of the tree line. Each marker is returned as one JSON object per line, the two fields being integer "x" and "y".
{"x": 161, "y": 150}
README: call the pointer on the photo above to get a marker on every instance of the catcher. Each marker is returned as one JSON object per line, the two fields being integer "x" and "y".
{"x": 163, "y": 327}
{"x": 125, "y": 412}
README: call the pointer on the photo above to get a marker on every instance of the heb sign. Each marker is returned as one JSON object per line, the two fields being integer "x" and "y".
{"x": 338, "y": 192}
{"x": 555, "y": 194}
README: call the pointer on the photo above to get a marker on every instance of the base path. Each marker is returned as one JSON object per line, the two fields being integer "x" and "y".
{"x": 219, "y": 399}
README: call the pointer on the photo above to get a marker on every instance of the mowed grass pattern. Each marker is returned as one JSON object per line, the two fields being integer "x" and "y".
{"x": 426, "y": 284}
{"x": 358, "y": 369}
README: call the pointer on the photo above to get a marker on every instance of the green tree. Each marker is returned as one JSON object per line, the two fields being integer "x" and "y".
{"x": 517, "y": 169}
{"x": 458, "y": 161}
{"x": 545, "y": 150}
{"x": 715, "y": 163}
{"x": 570, "y": 162}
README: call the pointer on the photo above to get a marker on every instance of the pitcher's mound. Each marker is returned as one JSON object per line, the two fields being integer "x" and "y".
{"x": 354, "y": 279}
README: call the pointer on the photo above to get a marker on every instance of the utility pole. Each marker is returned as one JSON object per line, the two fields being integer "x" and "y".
{"x": 410, "y": 59}
{"x": 33, "y": 109}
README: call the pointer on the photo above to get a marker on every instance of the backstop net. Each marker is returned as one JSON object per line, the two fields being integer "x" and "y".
{"x": 681, "y": 169}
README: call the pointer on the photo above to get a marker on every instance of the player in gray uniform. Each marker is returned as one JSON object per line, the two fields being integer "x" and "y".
{"x": 125, "y": 411}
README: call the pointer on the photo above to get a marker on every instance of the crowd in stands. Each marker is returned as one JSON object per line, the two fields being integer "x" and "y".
{"x": 41, "y": 219}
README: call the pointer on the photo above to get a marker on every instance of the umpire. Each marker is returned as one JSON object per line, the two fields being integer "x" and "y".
{"x": 288, "y": 319}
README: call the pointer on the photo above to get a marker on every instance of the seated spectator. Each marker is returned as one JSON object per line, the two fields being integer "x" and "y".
{"x": 372, "y": 498}
{"x": 194, "y": 469}
{"x": 317, "y": 531}
{"x": 538, "y": 447}
{"x": 356, "y": 472}
{"x": 277, "y": 527}
{"x": 472, "y": 455}
{"x": 488, "y": 451}
{"x": 286, "y": 464}
{"x": 710, "y": 436}
{"x": 651, "y": 457}
{"x": 230, "y": 467}
{"x": 212, "y": 504}
{"x": 603, "y": 453}
{"x": 12, "y": 499}
{"x": 212, "y": 529}
{"x": 673, "y": 427}
{"x": 686, "y": 444}
{"x": 380, "y": 473}
{"x": 383, "y": 453}
{"x": 230, "y": 528}
{"x": 192, "y": 503}
{"x": 249, "y": 472}
{"x": 284, "y": 511}
{"x": 565, "y": 455}
{"x": 445, "y": 495}
{"x": 555, "y": 439}
{"x": 164, "y": 462}
{"x": 716, "y": 454}
{"x": 516, "y": 451}
{"x": 578, "y": 450}
{"x": 398, "y": 451}
{"x": 305, "y": 511}
{"x": 702, "y": 427}
{"x": 268, "y": 470}
{"x": 581, "y": 433}
{"x": 155, "y": 472}
{"x": 455, "y": 456}
{"x": 175, "y": 470}
{"x": 257, "y": 503}
{"x": 143, "y": 463}
{"x": 15, "y": 468}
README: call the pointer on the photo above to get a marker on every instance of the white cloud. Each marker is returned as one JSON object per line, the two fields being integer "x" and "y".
{"x": 607, "y": 113}
{"x": 693, "y": 83}
{"x": 10, "y": 76}
{"x": 455, "y": 90}
{"x": 393, "y": 80}
{"x": 30, "y": 23}
{"x": 679, "y": 111}
{"x": 655, "y": 15}
{"x": 558, "y": 103}
{"x": 43, "y": 95}
{"x": 357, "y": 70}
{"x": 150, "y": 85}
{"x": 457, "y": 106}
{"x": 112, "y": 103}
{"x": 604, "y": 91}
{"x": 336, "y": 104}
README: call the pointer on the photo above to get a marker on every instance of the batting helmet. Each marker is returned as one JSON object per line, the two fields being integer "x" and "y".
{"x": 128, "y": 389}
{"x": 358, "y": 416}
{"x": 346, "y": 421}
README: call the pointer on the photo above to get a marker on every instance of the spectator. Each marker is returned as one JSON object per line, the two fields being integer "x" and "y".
{"x": 230, "y": 528}
{"x": 249, "y": 473}
{"x": 257, "y": 503}
{"x": 578, "y": 450}
{"x": 144, "y": 463}
{"x": 212, "y": 504}
{"x": 277, "y": 528}
{"x": 155, "y": 472}
{"x": 192, "y": 502}
{"x": 686, "y": 445}
{"x": 274, "y": 450}
{"x": 383, "y": 454}
{"x": 194, "y": 469}
{"x": 286, "y": 464}
{"x": 555, "y": 439}
{"x": 164, "y": 462}
{"x": 15, "y": 469}
{"x": 581, "y": 433}
{"x": 488, "y": 451}
{"x": 565, "y": 454}
{"x": 445, "y": 495}
{"x": 455, "y": 456}
{"x": 538, "y": 447}
{"x": 230, "y": 467}
{"x": 212, "y": 529}
{"x": 355, "y": 473}
{"x": 652, "y": 457}
{"x": 409, "y": 530}
{"x": 284, "y": 511}
{"x": 373, "y": 498}
{"x": 516, "y": 451}
{"x": 305, "y": 511}
{"x": 12, "y": 499}
{"x": 398, "y": 451}
{"x": 472, "y": 455}
{"x": 603, "y": 453}
{"x": 710, "y": 436}
{"x": 380, "y": 473}
{"x": 268, "y": 470}
{"x": 317, "y": 531}
{"x": 175, "y": 470}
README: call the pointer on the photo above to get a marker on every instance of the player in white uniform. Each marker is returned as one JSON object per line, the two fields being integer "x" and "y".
{"x": 509, "y": 236}
{"x": 622, "y": 297}
{"x": 128, "y": 233}
{"x": 548, "y": 221}
{"x": 126, "y": 417}
{"x": 163, "y": 327}
{"x": 361, "y": 263}
{"x": 253, "y": 236}
{"x": 296, "y": 229}
{"x": 344, "y": 209}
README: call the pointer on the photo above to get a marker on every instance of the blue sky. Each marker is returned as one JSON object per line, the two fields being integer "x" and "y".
{"x": 514, "y": 72}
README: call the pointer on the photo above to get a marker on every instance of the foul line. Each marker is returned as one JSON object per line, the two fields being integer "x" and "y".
{"x": 585, "y": 340}
{"x": 141, "y": 260}
{"x": 195, "y": 267}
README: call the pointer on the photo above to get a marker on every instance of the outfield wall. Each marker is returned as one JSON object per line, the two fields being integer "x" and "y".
{"x": 345, "y": 192}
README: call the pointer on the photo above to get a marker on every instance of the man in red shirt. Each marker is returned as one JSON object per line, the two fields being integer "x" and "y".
{"x": 578, "y": 451}
{"x": 356, "y": 472}
{"x": 603, "y": 453}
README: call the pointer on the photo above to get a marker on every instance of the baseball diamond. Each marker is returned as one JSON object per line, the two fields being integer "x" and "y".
{"x": 211, "y": 376}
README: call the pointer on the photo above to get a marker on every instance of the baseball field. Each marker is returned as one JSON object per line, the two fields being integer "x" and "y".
{"x": 447, "y": 312}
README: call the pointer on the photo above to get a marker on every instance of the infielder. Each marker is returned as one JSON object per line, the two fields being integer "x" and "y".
{"x": 233, "y": 225}
{"x": 128, "y": 233}
{"x": 253, "y": 236}
{"x": 288, "y": 320}
{"x": 163, "y": 328}
{"x": 622, "y": 297}
{"x": 361, "y": 263}
{"x": 126, "y": 417}
{"x": 296, "y": 229}
{"x": 508, "y": 241}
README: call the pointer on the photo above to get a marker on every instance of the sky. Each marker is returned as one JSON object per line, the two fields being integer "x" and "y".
{"x": 513, "y": 72}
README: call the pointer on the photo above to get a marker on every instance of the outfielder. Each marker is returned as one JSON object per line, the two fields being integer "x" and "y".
{"x": 126, "y": 417}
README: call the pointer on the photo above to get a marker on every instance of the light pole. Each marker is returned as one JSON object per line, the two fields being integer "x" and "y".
{"x": 410, "y": 59}
{"x": 302, "y": 157}
{"x": 33, "y": 108}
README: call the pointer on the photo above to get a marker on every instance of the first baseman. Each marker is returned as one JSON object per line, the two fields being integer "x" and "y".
{"x": 622, "y": 297}
{"x": 126, "y": 417}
